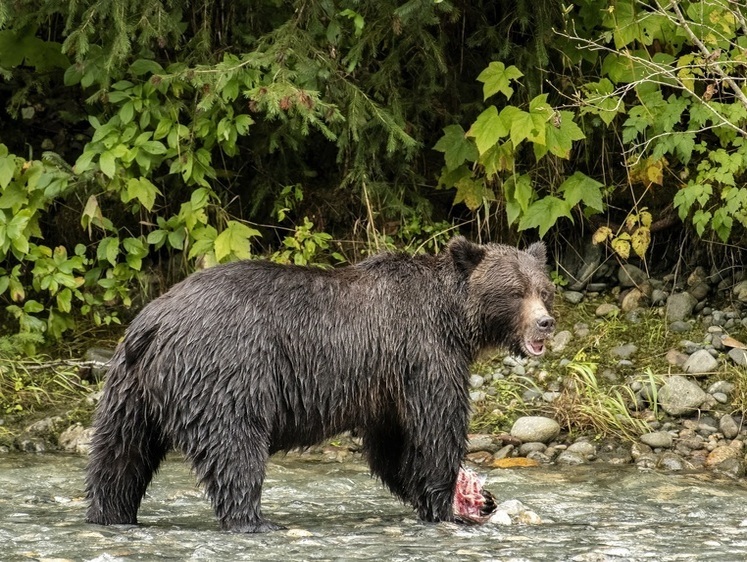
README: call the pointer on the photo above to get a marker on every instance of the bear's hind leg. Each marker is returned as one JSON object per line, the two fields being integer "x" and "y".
{"x": 126, "y": 450}
{"x": 232, "y": 471}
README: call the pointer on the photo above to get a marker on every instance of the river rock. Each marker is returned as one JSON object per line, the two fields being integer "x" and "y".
{"x": 699, "y": 291}
{"x": 76, "y": 439}
{"x": 481, "y": 442}
{"x": 583, "y": 448}
{"x": 625, "y": 351}
{"x": 560, "y": 340}
{"x": 631, "y": 276}
{"x": 680, "y": 327}
{"x": 676, "y": 357}
{"x": 607, "y": 309}
{"x": 657, "y": 439}
{"x": 739, "y": 356}
{"x": 733, "y": 467}
{"x": 658, "y": 297}
{"x": 700, "y": 362}
{"x": 535, "y": 428}
{"x": 728, "y": 427}
{"x": 672, "y": 461}
{"x": 721, "y": 386}
{"x": 527, "y": 448}
{"x": 476, "y": 381}
{"x": 573, "y": 297}
{"x": 679, "y": 396}
{"x": 740, "y": 291}
{"x": 680, "y": 306}
{"x": 720, "y": 454}
{"x": 633, "y": 300}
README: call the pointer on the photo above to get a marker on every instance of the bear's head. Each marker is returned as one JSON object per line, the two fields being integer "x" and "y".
{"x": 509, "y": 295}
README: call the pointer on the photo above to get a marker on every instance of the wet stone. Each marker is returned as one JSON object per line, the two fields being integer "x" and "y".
{"x": 481, "y": 442}
{"x": 657, "y": 439}
{"x": 571, "y": 458}
{"x": 672, "y": 461}
{"x": 728, "y": 427}
{"x": 638, "y": 450}
{"x": 503, "y": 452}
{"x": 720, "y": 454}
{"x": 535, "y": 428}
{"x": 527, "y": 448}
{"x": 732, "y": 467}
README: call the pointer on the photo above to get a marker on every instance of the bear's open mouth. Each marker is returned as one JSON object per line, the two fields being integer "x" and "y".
{"x": 534, "y": 347}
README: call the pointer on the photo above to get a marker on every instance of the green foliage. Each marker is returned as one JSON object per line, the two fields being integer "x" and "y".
{"x": 494, "y": 143}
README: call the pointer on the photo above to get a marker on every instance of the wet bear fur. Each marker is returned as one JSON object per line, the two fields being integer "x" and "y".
{"x": 246, "y": 359}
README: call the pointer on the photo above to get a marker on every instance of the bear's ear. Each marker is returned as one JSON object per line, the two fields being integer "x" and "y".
{"x": 539, "y": 251}
{"x": 465, "y": 254}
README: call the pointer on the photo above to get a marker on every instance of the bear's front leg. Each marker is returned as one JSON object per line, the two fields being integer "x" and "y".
{"x": 435, "y": 444}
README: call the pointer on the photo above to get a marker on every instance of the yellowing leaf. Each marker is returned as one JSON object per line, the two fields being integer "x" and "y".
{"x": 640, "y": 240}
{"x": 602, "y": 234}
{"x": 621, "y": 247}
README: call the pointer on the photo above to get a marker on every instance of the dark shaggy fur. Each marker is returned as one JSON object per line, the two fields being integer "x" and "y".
{"x": 249, "y": 358}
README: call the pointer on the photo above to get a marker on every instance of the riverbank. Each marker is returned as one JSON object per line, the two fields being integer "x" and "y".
{"x": 645, "y": 371}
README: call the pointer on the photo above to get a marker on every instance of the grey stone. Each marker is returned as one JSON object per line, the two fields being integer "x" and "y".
{"x": 676, "y": 358}
{"x": 589, "y": 265}
{"x": 581, "y": 330}
{"x": 658, "y": 297}
{"x": 672, "y": 461}
{"x": 721, "y": 386}
{"x": 630, "y": 276}
{"x": 680, "y": 306}
{"x": 700, "y": 362}
{"x": 732, "y": 467}
{"x": 476, "y": 381}
{"x": 518, "y": 369}
{"x": 527, "y": 448}
{"x": 582, "y": 448}
{"x": 76, "y": 439}
{"x": 657, "y": 440}
{"x": 739, "y": 356}
{"x": 699, "y": 291}
{"x": 740, "y": 291}
{"x": 481, "y": 442}
{"x": 573, "y": 297}
{"x": 720, "y": 397}
{"x": 503, "y": 452}
{"x": 97, "y": 359}
{"x": 680, "y": 327}
{"x": 477, "y": 396}
{"x": 624, "y": 351}
{"x": 679, "y": 396}
{"x": 535, "y": 429}
{"x": 560, "y": 340}
{"x": 550, "y": 396}
{"x": 728, "y": 427}
{"x": 607, "y": 309}
{"x": 634, "y": 299}
{"x": 571, "y": 458}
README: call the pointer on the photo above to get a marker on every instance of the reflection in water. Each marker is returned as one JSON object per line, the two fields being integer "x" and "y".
{"x": 338, "y": 512}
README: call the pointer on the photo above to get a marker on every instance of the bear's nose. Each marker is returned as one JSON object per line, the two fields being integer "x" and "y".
{"x": 546, "y": 323}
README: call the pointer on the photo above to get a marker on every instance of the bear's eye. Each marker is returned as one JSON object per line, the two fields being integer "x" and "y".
{"x": 545, "y": 294}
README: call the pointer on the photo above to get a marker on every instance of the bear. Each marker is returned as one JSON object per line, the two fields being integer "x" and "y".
{"x": 249, "y": 358}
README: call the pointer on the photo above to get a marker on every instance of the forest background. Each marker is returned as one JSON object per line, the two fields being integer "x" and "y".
{"x": 143, "y": 139}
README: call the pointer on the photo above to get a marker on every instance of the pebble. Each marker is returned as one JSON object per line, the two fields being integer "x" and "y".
{"x": 607, "y": 310}
{"x": 680, "y": 327}
{"x": 657, "y": 439}
{"x": 728, "y": 427}
{"x": 739, "y": 356}
{"x": 624, "y": 351}
{"x": 700, "y": 362}
{"x": 560, "y": 341}
{"x": 680, "y": 306}
{"x": 671, "y": 461}
{"x": 573, "y": 297}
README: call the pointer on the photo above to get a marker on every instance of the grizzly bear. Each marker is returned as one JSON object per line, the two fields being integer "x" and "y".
{"x": 249, "y": 358}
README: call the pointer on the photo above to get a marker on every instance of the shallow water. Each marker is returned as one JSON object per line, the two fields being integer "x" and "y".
{"x": 338, "y": 512}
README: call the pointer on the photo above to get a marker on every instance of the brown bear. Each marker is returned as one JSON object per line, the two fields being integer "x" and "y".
{"x": 246, "y": 359}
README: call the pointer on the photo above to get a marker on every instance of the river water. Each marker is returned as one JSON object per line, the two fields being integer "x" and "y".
{"x": 338, "y": 512}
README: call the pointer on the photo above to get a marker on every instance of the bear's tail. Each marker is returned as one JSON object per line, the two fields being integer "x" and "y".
{"x": 127, "y": 447}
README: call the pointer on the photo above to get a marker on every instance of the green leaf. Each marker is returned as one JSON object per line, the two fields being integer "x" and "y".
{"x": 473, "y": 193}
{"x": 496, "y": 78}
{"x": 157, "y": 237}
{"x": 144, "y": 66}
{"x": 12, "y": 196}
{"x": 519, "y": 194}
{"x": 32, "y": 307}
{"x": 83, "y": 162}
{"x": 65, "y": 300}
{"x": 524, "y": 125}
{"x": 234, "y": 241}
{"x": 108, "y": 249}
{"x": 143, "y": 190}
{"x": 580, "y": 187}
{"x": 488, "y": 129}
{"x": 7, "y": 169}
{"x": 560, "y": 132}
{"x": 544, "y": 213}
{"x": 107, "y": 163}
{"x": 456, "y": 147}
